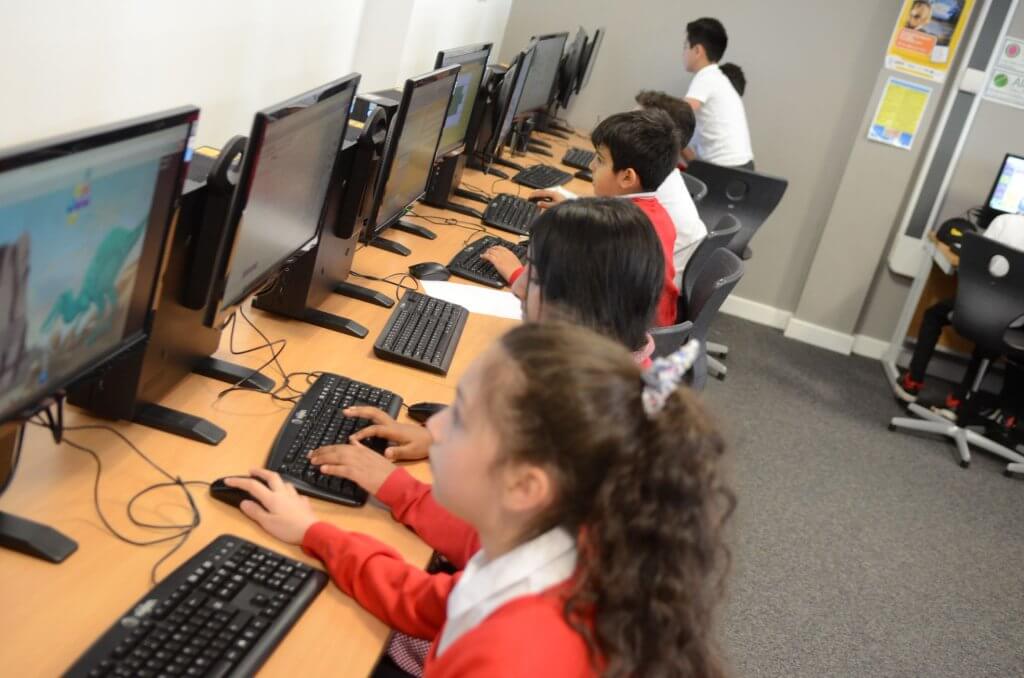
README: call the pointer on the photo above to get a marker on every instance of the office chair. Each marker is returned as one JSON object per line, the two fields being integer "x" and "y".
{"x": 714, "y": 283}
{"x": 749, "y": 196}
{"x": 727, "y": 228}
{"x": 988, "y": 301}
{"x": 697, "y": 188}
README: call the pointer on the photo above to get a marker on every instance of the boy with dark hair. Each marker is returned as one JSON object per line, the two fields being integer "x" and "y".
{"x": 722, "y": 136}
{"x": 672, "y": 193}
{"x": 636, "y": 152}
{"x": 736, "y": 77}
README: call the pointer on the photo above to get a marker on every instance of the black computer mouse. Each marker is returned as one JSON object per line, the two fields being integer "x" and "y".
{"x": 231, "y": 495}
{"x": 586, "y": 175}
{"x": 423, "y": 411}
{"x": 429, "y": 270}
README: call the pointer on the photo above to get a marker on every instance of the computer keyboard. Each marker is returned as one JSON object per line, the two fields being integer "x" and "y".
{"x": 219, "y": 614}
{"x": 541, "y": 176}
{"x": 422, "y": 332}
{"x": 317, "y": 420}
{"x": 468, "y": 264}
{"x": 511, "y": 213}
{"x": 579, "y": 158}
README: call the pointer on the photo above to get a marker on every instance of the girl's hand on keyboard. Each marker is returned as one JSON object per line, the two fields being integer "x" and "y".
{"x": 406, "y": 442}
{"x": 502, "y": 259}
{"x": 284, "y": 513}
{"x": 359, "y": 464}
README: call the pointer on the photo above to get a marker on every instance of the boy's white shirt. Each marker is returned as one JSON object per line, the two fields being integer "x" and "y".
{"x": 1007, "y": 229}
{"x": 528, "y": 569}
{"x": 722, "y": 136}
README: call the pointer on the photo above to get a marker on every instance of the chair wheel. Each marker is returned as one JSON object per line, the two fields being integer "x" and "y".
{"x": 964, "y": 464}
{"x": 1007, "y": 473}
{"x": 892, "y": 427}
{"x": 720, "y": 377}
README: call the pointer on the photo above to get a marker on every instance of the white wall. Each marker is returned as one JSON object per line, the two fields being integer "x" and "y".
{"x": 66, "y": 65}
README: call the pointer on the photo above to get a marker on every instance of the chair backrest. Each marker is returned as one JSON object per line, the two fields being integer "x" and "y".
{"x": 727, "y": 228}
{"x": 715, "y": 282}
{"x": 990, "y": 295}
{"x": 750, "y": 196}
{"x": 697, "y": 188}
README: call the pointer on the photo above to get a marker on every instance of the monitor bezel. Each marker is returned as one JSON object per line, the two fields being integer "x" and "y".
{"x": 391, "y": 146}
{"x": 470, "y": 53}
{"x": 587, "y": 64}
{"x": 217, "y": 305}
{"x": 508, "y": 111}
{"x": 567, "y": 85}
{"x": 53, "y": 148}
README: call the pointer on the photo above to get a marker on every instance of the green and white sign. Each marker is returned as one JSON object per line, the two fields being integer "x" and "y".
{"x": 1006, "y": 79}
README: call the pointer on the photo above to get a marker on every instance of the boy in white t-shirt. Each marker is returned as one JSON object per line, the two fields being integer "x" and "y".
{"x": 722, "y": 136}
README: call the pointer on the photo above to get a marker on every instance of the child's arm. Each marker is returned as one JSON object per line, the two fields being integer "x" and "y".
{"x": 503, "y": 260}
{"x": 400, "y": 595}
{"x": 412, "y": 503}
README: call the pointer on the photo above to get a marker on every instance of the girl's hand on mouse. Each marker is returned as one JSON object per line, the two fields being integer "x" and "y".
{"x": 284, "y": 513}
{"x": 502, "y": 259}
{"x": 358, "y": 463}
{"x": 546, "y": 198}
{"x": 406, "y": 442}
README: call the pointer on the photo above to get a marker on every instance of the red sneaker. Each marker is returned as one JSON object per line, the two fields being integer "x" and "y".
{"x": 906, "y": 388}
{"x": 951, "y": 407}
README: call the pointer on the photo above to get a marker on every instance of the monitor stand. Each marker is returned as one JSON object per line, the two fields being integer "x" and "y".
{"x": 20, "y": 534}
{"x": 364, "y": 294}
{"x": 414, "y": 229}
{"x": 131, "y": 386}
{"x": 390, "y": 246}
{"x": 445, "y": 178}
{"x": 539, "y": 150}
{"x": 470, "y": 195}
{"x": 546, "y": 123}
{"x": 485, "y": 167}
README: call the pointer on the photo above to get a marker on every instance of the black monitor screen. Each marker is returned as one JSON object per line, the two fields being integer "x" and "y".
{"x": 412, "y": 143}
{"x": 83, "y": 224}
{"x": 473, "y": 61}
{"x": 288, "y": 163}
{"x": 540, "y": 79}
{"x": 508, "y": 99}
{"x": 569, "y": 73}
{"x": 588, "y": 59}
{"x": 1007, "y": 194}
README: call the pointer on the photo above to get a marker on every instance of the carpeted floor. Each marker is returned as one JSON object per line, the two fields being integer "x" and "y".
{"x": 857, "y": 551}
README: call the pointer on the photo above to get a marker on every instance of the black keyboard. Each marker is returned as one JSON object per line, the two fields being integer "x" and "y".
{"x": 541, "y": 176}
{"x": 468, "y": 264}
{"x": 422, "y": 332}
{"x": 317, "y": 420}
{"x": 510, "y": 213}
{"x": 219, "y": 614}
{"x": 579, "y": 158}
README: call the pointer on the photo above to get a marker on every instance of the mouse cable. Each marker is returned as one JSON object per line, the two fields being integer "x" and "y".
{"x": 182, "y": 531}
{"x": 400, "y": 285}
{"x": 276, "y": 347}
{"x": 477, "y": 230}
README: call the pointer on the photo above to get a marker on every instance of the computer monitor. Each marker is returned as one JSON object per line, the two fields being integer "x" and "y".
{"x": 278, "y": 203}
{"x": 1007, "y": 194}
{"x": 472, "y": 61}
{"x": 543, "y": 72}
{"x": 588, "y": 58}
{"x": 508, "y": 101}
{"x": 568, "y": 74}
{"x": 83, "y": 227}
{"x": 411, "y": 146}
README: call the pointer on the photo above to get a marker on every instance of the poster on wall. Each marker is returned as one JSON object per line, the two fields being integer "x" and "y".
{"x": 1006, "y": 79}
{"x": 899, "y": 113}
{"x": 926, "y": 37}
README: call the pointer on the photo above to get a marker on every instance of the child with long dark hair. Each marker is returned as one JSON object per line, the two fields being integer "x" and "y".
{"x": 596, "y": 493}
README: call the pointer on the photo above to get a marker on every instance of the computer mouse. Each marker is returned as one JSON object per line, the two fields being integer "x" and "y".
{"x": 586, "y": 175}
{"x": 232, "y": 496}
{"x": 539, "y": 198}
{"x": 423, "y": 411}
{"x": 429, "y": 270}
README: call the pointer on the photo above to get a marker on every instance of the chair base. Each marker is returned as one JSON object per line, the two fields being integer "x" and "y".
{"x": 715, "y": 368}
{"x": 717, "y": 350}
{"x": 930, "y": 422}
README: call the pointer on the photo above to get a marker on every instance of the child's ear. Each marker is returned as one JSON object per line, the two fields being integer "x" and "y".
{"x": 528, "y": 488}
{"x": 629, "y": 180}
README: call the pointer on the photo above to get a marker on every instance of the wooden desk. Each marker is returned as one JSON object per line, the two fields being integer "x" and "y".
{"x": 52, "y": 613}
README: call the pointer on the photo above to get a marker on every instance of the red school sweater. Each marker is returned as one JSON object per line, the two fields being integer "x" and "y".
{"x": 666, "y": 230}
{"x": 527, "y": 636}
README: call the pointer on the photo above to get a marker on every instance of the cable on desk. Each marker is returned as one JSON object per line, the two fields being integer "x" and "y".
{"x": 387, "y": 279}
{"x": 276, "y": 349}
{"x": 479, "y": 191}
{"x": 477, "y": 229}
{"x": 182, "y": 531}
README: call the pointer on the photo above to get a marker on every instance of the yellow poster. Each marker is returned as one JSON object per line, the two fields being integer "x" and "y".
{"x": 926, "y": 37}
{"x": 899, "y": 113}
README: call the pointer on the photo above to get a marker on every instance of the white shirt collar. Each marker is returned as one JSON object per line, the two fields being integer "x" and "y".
{"x": 528, "y": 569}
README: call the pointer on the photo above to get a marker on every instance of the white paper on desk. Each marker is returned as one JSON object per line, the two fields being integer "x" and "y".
{"x": 476, "y": 299}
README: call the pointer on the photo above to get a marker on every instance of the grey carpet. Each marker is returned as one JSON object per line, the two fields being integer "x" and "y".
{"x": 857, "y": 551}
